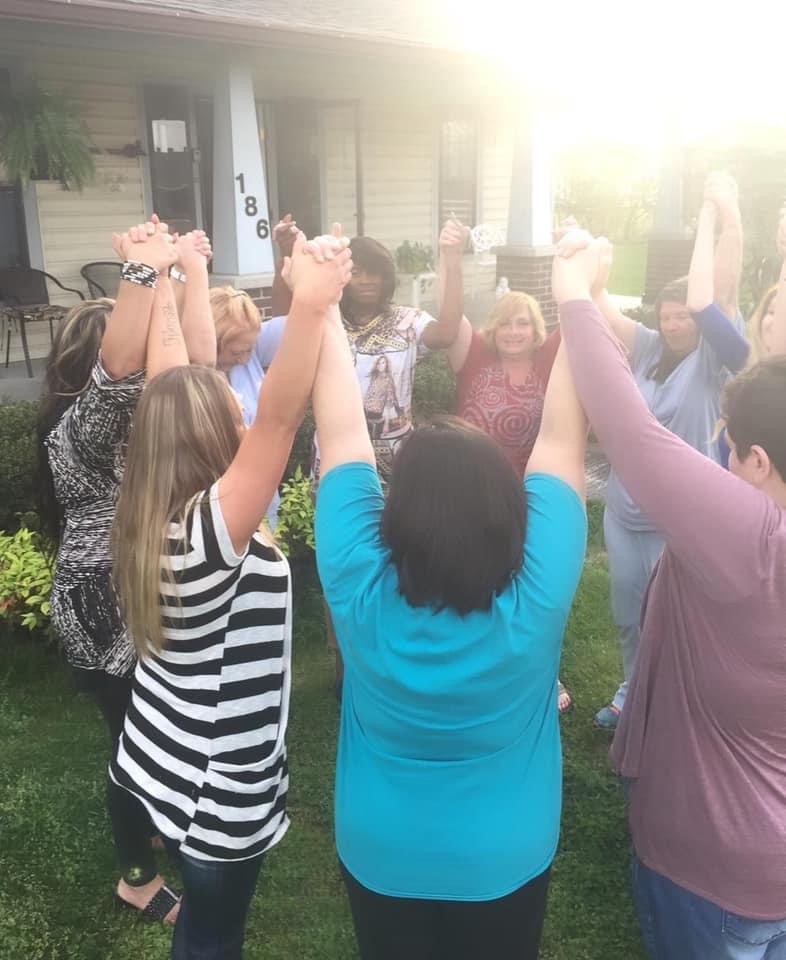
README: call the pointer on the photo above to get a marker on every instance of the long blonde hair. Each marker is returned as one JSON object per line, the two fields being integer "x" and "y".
{"x": 755, "y": 324}
{"x": 186, "y": 433}
{"x": 507, "y": 307}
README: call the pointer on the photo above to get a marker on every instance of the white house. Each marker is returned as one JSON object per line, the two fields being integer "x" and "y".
{"x": 226, "y": 115}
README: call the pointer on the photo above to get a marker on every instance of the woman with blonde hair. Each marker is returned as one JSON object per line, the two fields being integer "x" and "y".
{"x": 207, "y": 599}
{"x": 245, "y": 346}
{"x": 502, "y": 370}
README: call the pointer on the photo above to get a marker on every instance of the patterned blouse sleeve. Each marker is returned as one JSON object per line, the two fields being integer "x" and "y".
{"x": 100, "y": 418}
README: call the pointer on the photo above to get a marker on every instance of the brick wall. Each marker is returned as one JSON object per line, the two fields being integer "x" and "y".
{"x": 263, "y": 298}
{"x": 532, "y": 274}
{"x": 668, "y": 258}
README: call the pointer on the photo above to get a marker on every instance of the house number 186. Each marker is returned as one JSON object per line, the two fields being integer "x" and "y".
{"x": 252, "y": 209}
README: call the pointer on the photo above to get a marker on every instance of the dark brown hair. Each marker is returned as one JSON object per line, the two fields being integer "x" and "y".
{"x": 668, "y": 361}
{"x": 455, "y": 517}
{"x": 754, "y": 408}
{"x": 370, "y": 255}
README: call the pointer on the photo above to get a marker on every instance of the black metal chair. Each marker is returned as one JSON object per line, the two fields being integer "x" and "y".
{"x": 25, "y": 298}
{"x": 102, "y": 277}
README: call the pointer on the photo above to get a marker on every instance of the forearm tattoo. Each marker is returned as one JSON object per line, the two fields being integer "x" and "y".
{"x": 171, "y": 331}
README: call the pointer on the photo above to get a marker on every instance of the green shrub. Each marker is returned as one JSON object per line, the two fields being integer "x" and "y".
{"x": 295, "y": 529}
{"x": 26, "y": 569}
{"x": 17, "y": 462}
{"x": 414, "y": 258}
{"x": 435, "y": 388}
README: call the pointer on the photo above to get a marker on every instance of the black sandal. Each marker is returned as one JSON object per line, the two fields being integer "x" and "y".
{"x": 158, "y": 906}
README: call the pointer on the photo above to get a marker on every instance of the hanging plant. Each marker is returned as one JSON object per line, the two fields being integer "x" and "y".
{"x": 43, "y": 137}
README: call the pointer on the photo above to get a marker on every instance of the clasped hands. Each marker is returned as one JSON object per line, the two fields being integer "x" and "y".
{"x": 581, "y": 265}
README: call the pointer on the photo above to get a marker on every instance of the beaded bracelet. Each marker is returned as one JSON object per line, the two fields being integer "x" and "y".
{"x": 176, "y": 274}
{"x": 140, "y": 273}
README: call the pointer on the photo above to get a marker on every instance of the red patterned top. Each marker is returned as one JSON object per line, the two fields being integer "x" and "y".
{"x": 510, "y": 414}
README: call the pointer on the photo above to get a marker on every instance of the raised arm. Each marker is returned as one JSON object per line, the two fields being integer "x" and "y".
{"x": 708, "y": 516}
{"x": 562, "y": 440}
{"x": 246, "y": 489}
{"x": 284, "y": 234}
{"x": 124, "y": 344}
{"x": 443, "y": 333}
{"x": 166, "y": 345}
{"x": 730, "y": 346}
{"x": 193, "y": 307}
{"x": 722, "y": 190}
{"x": 338, "y": 405}
{"x": 623, "y": 327}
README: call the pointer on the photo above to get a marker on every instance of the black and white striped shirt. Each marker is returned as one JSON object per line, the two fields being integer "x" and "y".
{"x": 203, "y": 742}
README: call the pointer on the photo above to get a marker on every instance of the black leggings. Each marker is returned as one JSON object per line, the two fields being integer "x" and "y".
{"x": 131, "y": 826}
{"x": 397, "y": 928}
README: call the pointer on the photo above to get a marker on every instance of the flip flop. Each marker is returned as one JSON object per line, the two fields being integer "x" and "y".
{"x": 158, "y": 906}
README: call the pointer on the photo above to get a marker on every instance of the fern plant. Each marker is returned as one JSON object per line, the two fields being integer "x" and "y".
{"x": 43, "y": 137}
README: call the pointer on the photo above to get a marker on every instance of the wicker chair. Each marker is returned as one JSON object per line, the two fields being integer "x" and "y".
{"x": 25, "y": 299}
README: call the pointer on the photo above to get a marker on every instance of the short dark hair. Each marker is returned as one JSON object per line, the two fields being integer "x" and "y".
{"x": 754, "y": 408}
{"x": 455, "y": 517}
{"x": 668, "y": 361}
{"x": 373, "y": 257}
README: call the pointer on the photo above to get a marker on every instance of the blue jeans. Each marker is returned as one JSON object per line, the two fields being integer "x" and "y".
{"x": 678, "y": 925}
{"x": 211, "y": 924}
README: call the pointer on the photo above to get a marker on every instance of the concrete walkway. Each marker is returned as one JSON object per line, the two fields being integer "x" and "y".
{"x": 16, "y": 385}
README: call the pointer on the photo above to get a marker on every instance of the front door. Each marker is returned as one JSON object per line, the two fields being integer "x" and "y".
{"x": 297, "y": 150}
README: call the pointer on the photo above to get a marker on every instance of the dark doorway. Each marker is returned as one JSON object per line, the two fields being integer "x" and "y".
{"x": 297, "y": 164}
{"x": 171, "y": 156}
{"x": 13, "y": 243}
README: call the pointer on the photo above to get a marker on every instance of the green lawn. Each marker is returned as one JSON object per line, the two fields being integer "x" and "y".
{"x": 56, "y": 863}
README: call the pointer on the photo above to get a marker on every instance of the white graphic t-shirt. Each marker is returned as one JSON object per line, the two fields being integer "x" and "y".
{"x": 385, "y": 351}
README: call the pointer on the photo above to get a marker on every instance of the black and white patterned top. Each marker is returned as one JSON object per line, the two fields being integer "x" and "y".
{"x": 86, "y": 456}
{"x": 203, "y": 742}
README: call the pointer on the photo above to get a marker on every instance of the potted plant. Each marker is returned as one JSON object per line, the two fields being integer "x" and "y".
{"x": 43, "y": 137}
{"x": 415, "y": 271}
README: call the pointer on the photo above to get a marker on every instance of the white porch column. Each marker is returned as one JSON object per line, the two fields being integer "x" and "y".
{"x": 526, "y": 258}
{"x": 530, "y": 213}
{"x": 242, "y": 243}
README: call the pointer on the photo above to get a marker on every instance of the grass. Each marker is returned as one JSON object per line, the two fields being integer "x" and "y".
{"x": 629, "y": 270}
{"x": 56, "y": 861}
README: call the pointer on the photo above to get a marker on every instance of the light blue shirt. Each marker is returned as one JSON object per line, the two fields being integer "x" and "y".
{"x": 687, "y": 403}
{"x": 247, "y": 378}
{"x": 448, "y": 779}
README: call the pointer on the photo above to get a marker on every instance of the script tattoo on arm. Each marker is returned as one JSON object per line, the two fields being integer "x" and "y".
{"x": 171, "y": 331}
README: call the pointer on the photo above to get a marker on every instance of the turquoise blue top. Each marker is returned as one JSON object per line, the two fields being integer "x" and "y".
{"x": 449, "y": 770}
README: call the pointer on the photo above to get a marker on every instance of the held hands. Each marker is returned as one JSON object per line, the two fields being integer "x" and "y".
{"x": 581, "y": 267}
{"x": 319, "y": 269}
{"x": 149, "y": 243}
{"x": 193, "y": 251}
{"x": 453, "y": 240}
{"x": 721, "y": 191}
{"x": 285, "y": 233}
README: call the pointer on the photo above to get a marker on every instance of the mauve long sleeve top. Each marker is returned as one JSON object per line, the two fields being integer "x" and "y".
{"x": 703, "y": 733}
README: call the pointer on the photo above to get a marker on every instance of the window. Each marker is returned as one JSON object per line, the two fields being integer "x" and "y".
{"x": 458, "y": 171}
